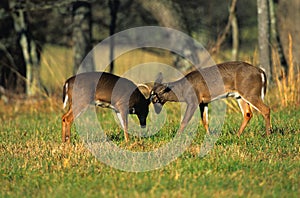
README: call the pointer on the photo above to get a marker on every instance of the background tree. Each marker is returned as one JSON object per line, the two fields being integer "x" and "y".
{"x": 288, "y": 15}
{"x": 12, "y": 67}
{"x": 170, "y": 14}
{"x": 114, "y": 7}
{"x": 233, "y": 24}
{"x": 82, "y": 36}
{"x": 29, "y": 47}
{"x": 264, "y": 36}
{"x": 64, "y": 23}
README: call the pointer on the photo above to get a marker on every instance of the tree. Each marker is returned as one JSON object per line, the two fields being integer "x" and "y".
{"x": 264, "y": 36}
{"x": 82, "y": 36}
{"x": 30, "y": 54}
{"x": 169, "y": 13}
{"x": 12, "y": 67}
{"x": 288, "y": 25}
{"x": 232, "y": 22}
{"x": 113, "y": 6}
{"x": 29, "y": 49}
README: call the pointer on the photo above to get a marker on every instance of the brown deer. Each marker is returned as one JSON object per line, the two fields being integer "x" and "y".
{"x": 104, "y": 90}
{"x": 243, "y": 81}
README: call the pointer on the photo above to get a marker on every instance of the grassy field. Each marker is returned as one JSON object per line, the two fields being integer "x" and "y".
{"x": 34, "y": 162}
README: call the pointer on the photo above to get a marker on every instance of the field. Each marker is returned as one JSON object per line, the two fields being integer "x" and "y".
{"x": 34, "y": 162}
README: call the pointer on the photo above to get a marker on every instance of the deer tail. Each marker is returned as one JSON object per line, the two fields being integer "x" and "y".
{"x": 65, "y": 94}
{"x": 264, "y": 84}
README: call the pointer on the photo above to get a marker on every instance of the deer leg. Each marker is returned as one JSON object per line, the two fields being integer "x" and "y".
{"x": 190, "y": 110}
{"x": 247, "y": 114}
{"x": 121, "y": 120}
{"x": 67, "y": 120}
{"x": 204, "y": 115}
{"x": 123, "y": 117}
{"x": 259, "y": 105}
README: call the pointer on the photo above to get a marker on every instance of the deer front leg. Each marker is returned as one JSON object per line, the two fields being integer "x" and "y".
{"x": 67, "y": 120}
{"x": 123, "y": 118}
{"x": 204, "y": 116}
{"x": 190, "y": 110}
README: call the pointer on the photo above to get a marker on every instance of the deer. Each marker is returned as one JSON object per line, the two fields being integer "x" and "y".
{"x": 241, "y": 80}
{"x": 105, "y": 90}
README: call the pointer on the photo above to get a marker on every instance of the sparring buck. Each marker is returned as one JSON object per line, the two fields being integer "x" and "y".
{"x": 104, "y": 90}
{"x": 243, "y": 81}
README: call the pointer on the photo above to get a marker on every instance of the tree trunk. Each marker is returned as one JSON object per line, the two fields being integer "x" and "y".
{"x": 113, "y": 6}
{"x": 275, "y": 41}
{"x": 235, "y": 37}
{"x": 232, "y": 22}
{"x": 168, "y": 13}
{"x": 264, "y": 36}
{"x": 288, "y": 17}
{"x": 12, "y": 67}
{"x": 82, "y": 37}
{"x": 29, "y": 49}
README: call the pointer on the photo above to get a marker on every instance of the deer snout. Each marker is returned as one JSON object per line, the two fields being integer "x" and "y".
{"x": 142, "y": 118}
{"x": 157, "y": 107}
{"x": 143, "y": 122}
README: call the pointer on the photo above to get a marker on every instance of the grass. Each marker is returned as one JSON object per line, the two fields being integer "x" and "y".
{"x": 287, "y": 82}
{"x": 34, "y": 162}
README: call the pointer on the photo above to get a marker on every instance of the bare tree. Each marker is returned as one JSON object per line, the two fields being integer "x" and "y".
{"x": 264, "y": 36}
{"x": 232, "y": 22}
{"x": 113, "y": 6}
{"x": 12, "y": 67}
{"x": 235, "y": 36}
{"x": 82, "y": 37}
{"x": 288, "y": 18}
{"x": 169, "y": 13}
{"x": 29, "y": 48}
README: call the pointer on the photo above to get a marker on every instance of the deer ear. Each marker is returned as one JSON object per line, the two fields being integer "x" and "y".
{"x": 144, "y": 89}
{"x": 159, "y": 78}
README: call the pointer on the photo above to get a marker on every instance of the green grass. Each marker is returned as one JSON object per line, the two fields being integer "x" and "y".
{"x": 34, "y": 162}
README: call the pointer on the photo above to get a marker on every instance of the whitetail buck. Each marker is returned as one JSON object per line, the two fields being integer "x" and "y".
{"x": 104, "y": 90}
{"x": 241, "y": 80}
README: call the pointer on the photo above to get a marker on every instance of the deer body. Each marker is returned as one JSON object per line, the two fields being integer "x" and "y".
{"x": 104, "y": 90}
{"x": 240, "y": 80}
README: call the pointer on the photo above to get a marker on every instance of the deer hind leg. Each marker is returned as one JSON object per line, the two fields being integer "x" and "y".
{"x": 259, "y": 105}
{"x": 67, "y": 120}
{"x": 247, "y": 114}
{"x": 204, "y": 116}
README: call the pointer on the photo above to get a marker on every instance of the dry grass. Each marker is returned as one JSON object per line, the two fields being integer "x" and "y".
{"x": 287, "y": 82}
{"x": 34, "y": 162}
{"x": 57, "y": 67}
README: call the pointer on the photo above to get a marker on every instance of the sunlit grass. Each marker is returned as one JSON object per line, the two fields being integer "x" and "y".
{"x": 34, "y": 162}
{"x": 56, "y": 67}
{"x": 287, "y": 82}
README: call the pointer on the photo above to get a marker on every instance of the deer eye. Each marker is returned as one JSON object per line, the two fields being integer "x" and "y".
{"x": 132, "y": 111}
{"x": 161, "y": 91}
